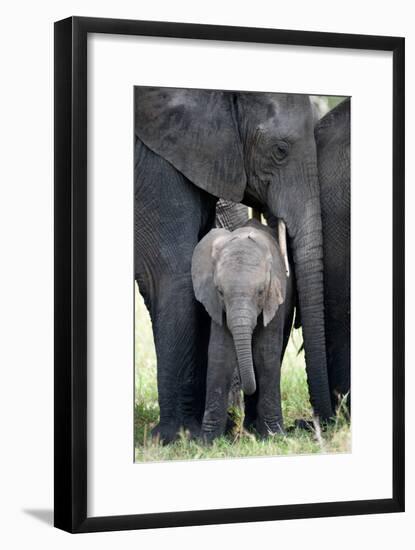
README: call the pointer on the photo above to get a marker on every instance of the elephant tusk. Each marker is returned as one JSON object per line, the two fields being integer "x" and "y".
{"x": 282, "y": 240}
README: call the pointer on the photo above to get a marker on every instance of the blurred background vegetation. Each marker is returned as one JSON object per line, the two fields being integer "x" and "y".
{"x": 294, "y": 392}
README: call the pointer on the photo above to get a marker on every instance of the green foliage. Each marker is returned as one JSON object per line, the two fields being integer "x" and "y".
{"x": 295, "y": 405}
{"x": 333, "y": 100}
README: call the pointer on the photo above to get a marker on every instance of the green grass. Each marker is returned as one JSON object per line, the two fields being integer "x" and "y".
{"x": 295, "y": 405}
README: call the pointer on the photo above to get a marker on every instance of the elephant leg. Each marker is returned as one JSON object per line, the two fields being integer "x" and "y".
{"x": 333, "y": 152}
{"x": 171, "y": 216}
{"x": 267, "y": 357}
{"x": 222, "y": 363}
{"x": 338, "y": 356}
{"x": 337, "y": 296}
{"x": 180, "y": 340}
{"x": 251, "y": 405}
{"x": 259, "y": 339}
{"x": 268, "y": 342}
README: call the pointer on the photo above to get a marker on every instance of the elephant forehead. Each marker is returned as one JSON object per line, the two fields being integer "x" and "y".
{"x": 285, "y": 115}
{"x": 251, "y": 237}
{"x": 243, "y": 254}
{"x": 277, "y": 104}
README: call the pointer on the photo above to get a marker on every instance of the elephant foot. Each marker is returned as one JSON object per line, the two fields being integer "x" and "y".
{"x": 207, "y": 436}
{"x": 192, "y": 427}
{"x": 308, "y": 425}
{"x": 165, "y": 432}
{"x": 302, "y": 424}
{"x": 268, "y": 428}
{"x": 249, "y": 423}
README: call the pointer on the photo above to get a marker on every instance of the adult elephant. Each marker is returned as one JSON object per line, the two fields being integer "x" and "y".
{"x": 191, "y": 148}
{"x": 333, "y": 153}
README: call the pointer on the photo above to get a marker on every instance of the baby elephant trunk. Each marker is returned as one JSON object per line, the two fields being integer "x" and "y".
{"x": 242, "y": 337}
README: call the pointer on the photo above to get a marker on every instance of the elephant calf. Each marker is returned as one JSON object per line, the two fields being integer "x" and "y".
{"x": 242, "y": 276}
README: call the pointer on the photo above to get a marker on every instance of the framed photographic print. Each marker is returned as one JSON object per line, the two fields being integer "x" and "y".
{"x": 229, "y": 274}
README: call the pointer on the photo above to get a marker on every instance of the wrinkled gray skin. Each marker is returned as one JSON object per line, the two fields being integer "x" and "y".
{"x": 240, "y": 279}
{"x": 333, "y": 152}
{"x": 230, "y": 215}
{"x": 192, "y": 147}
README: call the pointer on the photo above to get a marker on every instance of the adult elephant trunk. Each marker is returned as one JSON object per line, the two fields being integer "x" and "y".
{"x": 307, "y": 245}
{"x": 242, "y": 337}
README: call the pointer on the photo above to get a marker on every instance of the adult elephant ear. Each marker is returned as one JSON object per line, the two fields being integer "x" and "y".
{"x": 197, "y": 132}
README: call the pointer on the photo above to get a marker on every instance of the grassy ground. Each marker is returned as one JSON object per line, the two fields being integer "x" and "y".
{"x": 295, "y": 404}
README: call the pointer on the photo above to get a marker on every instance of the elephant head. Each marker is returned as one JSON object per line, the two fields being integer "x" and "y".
{"x": 258, "y": 148}
{"x": 241, "y": 274}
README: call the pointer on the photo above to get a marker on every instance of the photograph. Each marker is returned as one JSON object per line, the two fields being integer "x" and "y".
{"x": 242, "y": 274}
{"x": 229, "y": 274}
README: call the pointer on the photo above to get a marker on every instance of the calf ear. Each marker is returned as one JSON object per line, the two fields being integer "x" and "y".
{"x": 276, "y": 290}
{"x": 197, "y": 132}
{"x": 203, "y": 263}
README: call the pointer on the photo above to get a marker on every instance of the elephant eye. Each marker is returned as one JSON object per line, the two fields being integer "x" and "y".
{"x": 220, "y": 292}
{"x": 281, "y": 151}
{"x": 261, "y": 292}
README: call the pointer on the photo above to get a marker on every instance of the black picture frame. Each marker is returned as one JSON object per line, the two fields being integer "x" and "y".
{"x": 70, "y": 173}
